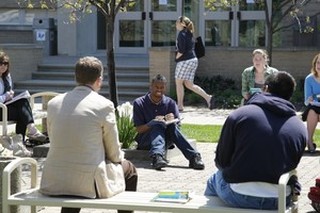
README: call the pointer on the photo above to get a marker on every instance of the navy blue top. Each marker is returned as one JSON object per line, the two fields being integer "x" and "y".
{"x": 261, "y": 141}
{"x": 144, "y": 110}
{"x": 185, "y": 45}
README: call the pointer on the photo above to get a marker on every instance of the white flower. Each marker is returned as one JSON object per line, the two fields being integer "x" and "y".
{"x": 125, "y": 110}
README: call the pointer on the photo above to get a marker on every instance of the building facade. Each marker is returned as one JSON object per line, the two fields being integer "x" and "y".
{"x": 151, "y": 23}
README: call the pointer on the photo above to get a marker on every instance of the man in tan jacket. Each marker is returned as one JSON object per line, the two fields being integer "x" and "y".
{"x": 85, "y": 157}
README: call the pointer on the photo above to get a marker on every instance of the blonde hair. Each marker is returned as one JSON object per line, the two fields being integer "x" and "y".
{"x": 263, "y": 52}
{"x": 186, "y": 23}
{"x": 313, "y": 67}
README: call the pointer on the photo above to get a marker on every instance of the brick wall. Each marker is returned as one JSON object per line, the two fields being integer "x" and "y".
{"x": 16, "y": 36}
{"x": 231, "y": 62}
{"x": 24, "y": 59}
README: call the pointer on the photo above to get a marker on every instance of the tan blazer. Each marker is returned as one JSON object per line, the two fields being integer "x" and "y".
{"x": 83, "y": 133}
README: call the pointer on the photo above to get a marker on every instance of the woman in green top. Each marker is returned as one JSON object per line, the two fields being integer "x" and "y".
{"x": 254, "y": 76}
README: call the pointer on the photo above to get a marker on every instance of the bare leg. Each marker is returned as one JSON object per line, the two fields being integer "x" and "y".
{"x": 180, "y": 93}
{"x": 312, "y": 121}
{"x": 198, "y": 90}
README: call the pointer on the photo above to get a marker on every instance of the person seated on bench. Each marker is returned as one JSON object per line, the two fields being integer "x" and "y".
{"x": 85, "y": 157}
{"x": 19, "y": 111}
{"x": 258, "y": 143}
{"x": 149, "y": 114}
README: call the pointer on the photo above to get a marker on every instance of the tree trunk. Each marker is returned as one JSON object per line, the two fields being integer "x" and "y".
{"x": 113, "y": 93}
{"x": 268, "y": 13}
{"x": 269, "y": 46}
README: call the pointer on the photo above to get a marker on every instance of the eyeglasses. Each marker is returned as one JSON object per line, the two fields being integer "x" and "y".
{"x": 4, "y": 63}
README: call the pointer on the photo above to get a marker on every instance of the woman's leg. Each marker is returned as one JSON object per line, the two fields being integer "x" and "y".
{"x": 312, "y": 121}
{"x": 180, "y": 93}
{"x": 21, "y": 112}
{"x": 198, "y": 90}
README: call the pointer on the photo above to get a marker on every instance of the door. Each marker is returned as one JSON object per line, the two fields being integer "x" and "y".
{"x": 146, "y": 24}
{"x": 250, "y": 24}
{"x": 239, "y": 25}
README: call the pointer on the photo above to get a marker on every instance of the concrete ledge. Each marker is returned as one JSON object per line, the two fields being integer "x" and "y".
{"x": 41, "y": 151}
{"x": 143, "y": 155}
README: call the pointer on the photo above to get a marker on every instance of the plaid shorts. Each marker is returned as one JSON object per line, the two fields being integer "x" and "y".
{"x": 185, "y": 70}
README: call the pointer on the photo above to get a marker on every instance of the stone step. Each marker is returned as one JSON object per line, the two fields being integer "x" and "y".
{"x": 56, "y": 73}
{"x": 41, "y": 151}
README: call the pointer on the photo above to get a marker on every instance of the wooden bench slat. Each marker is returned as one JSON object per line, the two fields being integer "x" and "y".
{"x": 140, "y": 201}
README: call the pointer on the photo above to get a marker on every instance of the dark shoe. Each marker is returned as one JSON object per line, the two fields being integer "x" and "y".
{"x": 313, "y": 149}
{"x": 158, "y": 162}
{"x": 211, "y": 105}
{"x": 196, "y": 162}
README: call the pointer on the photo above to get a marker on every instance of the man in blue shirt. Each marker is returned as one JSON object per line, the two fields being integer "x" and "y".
{"x": 151, "y": 115}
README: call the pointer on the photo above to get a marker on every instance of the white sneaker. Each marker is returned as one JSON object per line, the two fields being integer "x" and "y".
{"x": 18, "y": 148}
{"x": 37, "y": 137}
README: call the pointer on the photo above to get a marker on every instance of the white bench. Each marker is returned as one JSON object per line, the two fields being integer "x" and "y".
{"x": 140, "y": 201}
{"x": 37, "y": 113}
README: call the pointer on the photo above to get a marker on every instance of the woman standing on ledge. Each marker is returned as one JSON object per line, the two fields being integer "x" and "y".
{"x": 187, "y": 63}
{"x": 20, "y": 110}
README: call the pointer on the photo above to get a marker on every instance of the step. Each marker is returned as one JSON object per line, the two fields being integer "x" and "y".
{"x": 121, "y": 77}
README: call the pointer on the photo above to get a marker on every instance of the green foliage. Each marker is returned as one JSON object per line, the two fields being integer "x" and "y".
{"x": 126, "y": 129}
{"x": 225, "y": 91}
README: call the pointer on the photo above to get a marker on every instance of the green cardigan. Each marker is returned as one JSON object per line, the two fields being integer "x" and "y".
{"x": 248, "y": 78}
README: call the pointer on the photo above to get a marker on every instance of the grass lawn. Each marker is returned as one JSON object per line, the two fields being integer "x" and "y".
{"x": 202, "y": 133}
{"x": 211, "y": 133}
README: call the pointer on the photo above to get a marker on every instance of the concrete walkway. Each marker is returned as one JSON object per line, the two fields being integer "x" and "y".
{"x": 178, "y": 176}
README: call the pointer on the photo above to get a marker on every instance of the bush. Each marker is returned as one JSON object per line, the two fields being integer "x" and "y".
{"x": 227, "y": 93}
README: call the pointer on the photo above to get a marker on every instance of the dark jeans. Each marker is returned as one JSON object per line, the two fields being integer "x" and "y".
{"x": 131, "y": 180}
{"x": 158, "y": 138}
{"x": 21, "y": 112}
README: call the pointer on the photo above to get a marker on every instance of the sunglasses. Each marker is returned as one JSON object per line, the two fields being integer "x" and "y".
{"x": 4, "y": 63}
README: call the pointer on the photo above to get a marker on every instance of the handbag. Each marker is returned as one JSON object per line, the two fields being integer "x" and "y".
{"x": 199, "y": 48}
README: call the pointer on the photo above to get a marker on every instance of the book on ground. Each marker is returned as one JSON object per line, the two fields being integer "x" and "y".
{"x": 172, "y": 196}
{"x": 24, "y": 94}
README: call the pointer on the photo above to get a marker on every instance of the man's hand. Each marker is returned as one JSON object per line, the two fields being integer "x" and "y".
{"x": 169, "y": 117}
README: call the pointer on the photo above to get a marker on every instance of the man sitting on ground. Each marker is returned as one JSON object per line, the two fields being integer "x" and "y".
{"x": 150, "y": 113}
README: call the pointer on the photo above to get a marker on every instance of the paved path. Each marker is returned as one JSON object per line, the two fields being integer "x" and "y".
{"x": 178, "y": 176}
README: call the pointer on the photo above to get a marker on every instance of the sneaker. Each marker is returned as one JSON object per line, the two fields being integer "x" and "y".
{"x": 212, "y": 103}
{"x": 37, "y": 137}
{"x": 158, "y": 162}
{"x": 196, "y": 162}
{"x": 312, "y": 149}
{"x": 18, "y": 147}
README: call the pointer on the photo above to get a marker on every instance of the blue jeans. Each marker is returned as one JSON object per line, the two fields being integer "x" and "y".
{"x": 217, "y": 186}
{"x": 159, "y": 137}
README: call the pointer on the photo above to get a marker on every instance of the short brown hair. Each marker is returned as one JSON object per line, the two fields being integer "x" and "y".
{"x": 88, "y": 70}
